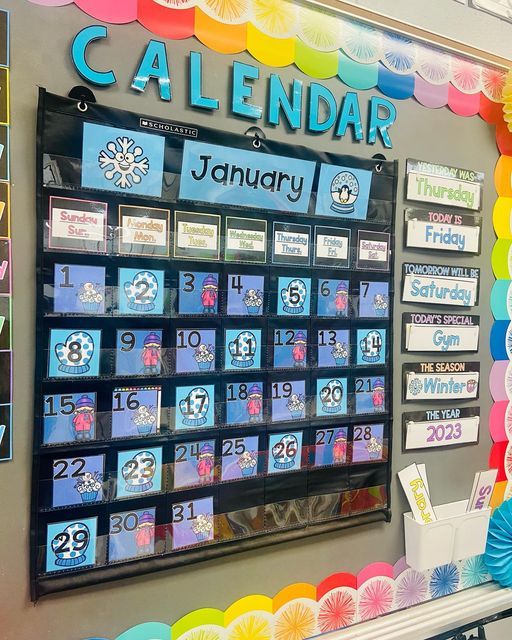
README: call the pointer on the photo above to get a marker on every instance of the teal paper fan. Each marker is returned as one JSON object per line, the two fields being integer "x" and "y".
{"x": 498, "y": 551}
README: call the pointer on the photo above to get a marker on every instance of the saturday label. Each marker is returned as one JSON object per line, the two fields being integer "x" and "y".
{"x": 332, "y": 247}
{"x": 441, "y": 380}
{"x": 439, "y": 332}
{"x": 440, "y": 284}
{"x": 143, "y": 231}
{"x": 373, "y": 250}
{"x": 291, "y": 243}
{"x": 440, "y": 184}
{"x": 441, "y": 428}
{"x": 225, "y": 175}
{"x": 196, "y": 235}
{"x": 246, "y": 240}
{"x": 443, "y": 231}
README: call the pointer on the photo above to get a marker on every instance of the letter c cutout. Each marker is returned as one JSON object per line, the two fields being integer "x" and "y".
{"x": 78, "y": 53}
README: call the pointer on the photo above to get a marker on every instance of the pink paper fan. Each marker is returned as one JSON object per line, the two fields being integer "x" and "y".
{"x": 114, "y": 11}
{"x": 375, "y": 598}
{"x": 493, "y": 81}
{"x": 466, "y": 75}
{"x": 337, "y": 610}
{"x": 373, "y": 570}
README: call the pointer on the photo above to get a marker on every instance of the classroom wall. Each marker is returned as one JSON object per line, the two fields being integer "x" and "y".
{"x": 39, "y": 57}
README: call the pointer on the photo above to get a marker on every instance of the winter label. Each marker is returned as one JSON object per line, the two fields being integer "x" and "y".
{"x": 196, "y": 236}
{"x": 245, "y": 240}
{"x": 144, "y": 231}
{"x": 291, "y": 244}
{"x": 192, "y": 522}
{"x": 441, "y": 380}
{"x": 332, "y": 247}
{"x": 77, "y": 225}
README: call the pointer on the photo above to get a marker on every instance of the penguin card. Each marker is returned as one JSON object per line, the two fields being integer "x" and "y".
{"x": 284, "y": 452}
{"x": 244, "y": 403}
{"x": 71, "y": 544}
{"x": 289, "y": 402}
{"x": 240, "y": 457}
{"x": 79, "y": 289}
{"x": 78, "y": 480}
{"x": 195, "y": 350}
{"x": 245, "y": 295}
{"x": 195, "y": 407}
{"x": 370, "y": 395}
{"x": 293, "y": 296}
{"x": 194, "y": 463}
{"x": 343, "y": 192}
{"x": 368, "y": 443}
{"x": 139, "y": 352}
{"x": 330, "y": 446}
{"x": 131, "y": 534}
{"x": 333, "y": 298}
{"x": 333, "y": 347}
{"x": 242, "y": 349}
{"x": 331, "y": 397}
{"x": 74, "y": 353}
{"x": 373, "y": 299}
{"x": 193, "y": 522}
{"x": 371, "y": 347}
{"x": 291, "y": 349}
{"x": 69, "y": 417}
{"x": 198, "y": 293}
{"x": 141, "y": 292}
{"x": 136, "y": 412}
{"x": 139, "y": 472}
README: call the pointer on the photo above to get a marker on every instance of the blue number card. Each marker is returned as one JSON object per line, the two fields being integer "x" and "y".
{"x": 331, "y": 446}
{"x": 198, "y": 293}
{"x": 69, "y": 417}
{"x": 71, "y": 544}
{"x": 131, "y": 534}
{"x": 78, "y": 480}
{"x": 331, "y": 397}
{"x": 333, "y": 298}
{"x": 136, "y": 412}
{"x": 195, "y": 407}
{"x": 294, "y": 296}
{"x": 194, "y": 463}
{"x": 240, "y": 458}
{"x": 74, "y": 353}
{"x": 285, "y": 452}
{"x": 139, "y": 352}
{"x": 192, "y": 523}
{"x": 139, "y": 472}
{"x": 79, "y": 289}
{"x": 244, "y": 403}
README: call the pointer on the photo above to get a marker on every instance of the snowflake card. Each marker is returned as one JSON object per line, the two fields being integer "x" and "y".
{"x": 121, "y": 160}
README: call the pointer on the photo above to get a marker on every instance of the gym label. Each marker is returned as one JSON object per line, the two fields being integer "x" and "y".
{"x": 440, "y": 333}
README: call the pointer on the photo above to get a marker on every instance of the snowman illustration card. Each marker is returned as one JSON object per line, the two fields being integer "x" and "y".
{"x": 74, "y": 353}
{"x": 69, "y": 417}
{"x": 136, "y": 412}
{"x": 131, "y": 534}
{"x": 71, "y": 544}
{"x": 79, "y": 289}
{"x": 139, "y": 472}
{"x": 139, "y": 352}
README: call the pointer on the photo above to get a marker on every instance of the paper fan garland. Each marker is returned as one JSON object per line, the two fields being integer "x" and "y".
{"x": 493, "y": 82}
{"x": 337, "y": 610}
{"x": 361, "y": 43}
{"x": 411, "y": 588}
{"x": 276, "y": 18}
{"x": 227, "y": 11}
{"x": 444, "y": 580}
{"x": 400, "y": 54}
{"x": 498, "y": 552}
{"x": 466, "y": 75}
{"x": 177, "y": 4}
{"x": 433, "y": 66}
{"x": 375, "y": 598}
{"x": 295, "y": 622}
{"x": 318, "y": 30}
{"x": 474, "y": 572}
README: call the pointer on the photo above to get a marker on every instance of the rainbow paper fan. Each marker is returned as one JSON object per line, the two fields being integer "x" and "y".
{"x": 227, "y": 11}
{"x": 400, "y": 54}
{"x": 498, "y": 552}
{"x": 275, "y": 18}
{"x": 318, "y": 30}
{"x": 466, "y": 75}
{"x": 433, "y": 66}
{"x": 361, "y": 43}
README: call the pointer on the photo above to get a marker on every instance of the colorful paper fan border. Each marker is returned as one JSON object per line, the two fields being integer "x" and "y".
{"x": 279, "y": 33}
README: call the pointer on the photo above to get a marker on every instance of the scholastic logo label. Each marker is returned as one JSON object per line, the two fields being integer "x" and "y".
{"x": 169, "y": 127}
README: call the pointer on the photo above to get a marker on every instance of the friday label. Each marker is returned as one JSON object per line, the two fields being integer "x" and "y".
{"x": 440, "y": 428}
{"x": 440, "y": 284}
{"x": 441, "y": 380}
{"x": 439, "y": 332}
{"x": 443, "y": 231}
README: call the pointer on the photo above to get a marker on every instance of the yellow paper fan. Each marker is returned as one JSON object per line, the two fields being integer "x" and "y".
{"x": 320, "y": 30}
{"x": 202, "y": 633}
{"x": 507, "y": 100}
{"x": 226, "y": 11}
{"x": 297, "y": 621}
{"x": 276, "y": 18}
{"x": 250, "y": 627}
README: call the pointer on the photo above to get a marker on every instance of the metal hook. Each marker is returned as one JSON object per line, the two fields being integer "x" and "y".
{"x": 256, "y": 143}
{"x": 257, "y": 134}
{"x": 82, "y": 106}
{"x": 380, "y": 162}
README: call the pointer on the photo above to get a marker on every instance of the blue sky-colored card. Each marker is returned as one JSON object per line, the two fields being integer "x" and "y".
{"x": 141, "y": 292}
{"x": 239, "y": 458}
{"x": 139, "y": 472}
{"x": 198, "y": 293}
{"x": 131, "y": 534}
{"x": 290, "y": 348}
{"x": 121, "y": 160}
{"x": 139, "y": 352}
{"x": 194, "y": 463}
{"x": 79, "y": 289}
{"x": 343, "y": 192}
{"x": 371, "y": 346}
{"x": 293, "y": 296}
{"x": 333, "y": 297}
{"x": 195, "y": 407}
{"x": 136, "y": 412}
{"x": 373, "y": 299}
{"x": 78, "y": 480}
{"x": 289, "y": 401}
{"x": 368, "y": 443}
{"x": 244, "y": 403}
{"x": 192, "y": 522}
{"x": 284, "y": 452}
{"x": 370, "y": 393}
{"x": 71, "y": 544}
{"x": 195, "y": 350}
{"x": 243, "y": 349}
{"x": 331, "y": 446}
{"x": 331, "y": 397}
{"x": 69, "y": 417}
{"x": 333, "y": 347}
{"x": 74, "y": 353}
{"x": 245, "y": 295}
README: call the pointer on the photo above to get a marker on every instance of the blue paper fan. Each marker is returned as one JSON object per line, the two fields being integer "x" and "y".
{"x": 498, "y": 552}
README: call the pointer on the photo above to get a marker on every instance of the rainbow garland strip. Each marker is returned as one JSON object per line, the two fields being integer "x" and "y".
{"x": 321, "y": 44}
{"x": 302, "y": 610}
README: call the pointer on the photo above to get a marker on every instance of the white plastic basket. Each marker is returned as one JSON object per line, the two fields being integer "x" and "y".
{"x": 455, "y": 535}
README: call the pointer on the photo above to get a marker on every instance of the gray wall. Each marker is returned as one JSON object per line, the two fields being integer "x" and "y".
{"x": 40, "y": 44}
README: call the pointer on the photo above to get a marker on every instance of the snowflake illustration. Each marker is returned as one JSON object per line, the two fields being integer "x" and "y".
{"x": 415, "y": 386}
{"x": 124, "y": 164}
{"x": 444, "y": 580}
